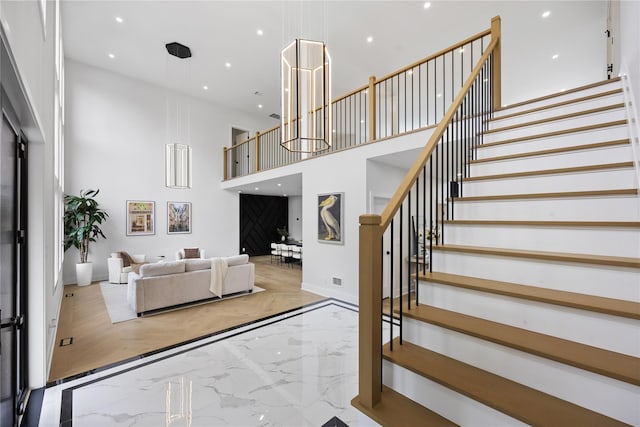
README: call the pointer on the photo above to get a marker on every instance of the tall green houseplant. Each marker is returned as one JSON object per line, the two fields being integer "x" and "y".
{"x": 82, "y": 219}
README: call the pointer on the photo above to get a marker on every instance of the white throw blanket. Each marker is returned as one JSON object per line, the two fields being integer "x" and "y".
{"x": 218, "y": 273}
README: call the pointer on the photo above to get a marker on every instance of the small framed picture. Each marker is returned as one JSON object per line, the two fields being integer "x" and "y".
{"x": 330, "y": 217}
{"x": 140, "y": 218}
{"x": 178, "y": 217}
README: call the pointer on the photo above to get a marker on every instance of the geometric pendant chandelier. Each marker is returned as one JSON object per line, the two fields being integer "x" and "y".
{"x": 306, "y": 97}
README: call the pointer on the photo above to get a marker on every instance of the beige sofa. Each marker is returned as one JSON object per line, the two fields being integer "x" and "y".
{"x": 167, "y": 284}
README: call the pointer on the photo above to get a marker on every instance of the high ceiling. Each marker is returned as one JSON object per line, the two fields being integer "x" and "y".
{"x": 221, "y": 32}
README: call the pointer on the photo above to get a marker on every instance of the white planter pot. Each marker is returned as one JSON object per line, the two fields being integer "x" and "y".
{"x": 84, "y": 272}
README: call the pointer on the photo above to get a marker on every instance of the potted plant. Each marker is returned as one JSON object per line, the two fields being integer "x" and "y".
{"x": 82, "y": 219}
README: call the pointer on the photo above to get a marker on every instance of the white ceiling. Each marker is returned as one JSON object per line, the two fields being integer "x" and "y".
{"x": 403, "y": 32}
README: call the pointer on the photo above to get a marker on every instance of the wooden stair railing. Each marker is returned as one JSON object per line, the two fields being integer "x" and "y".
{"x": 465, "y": 116}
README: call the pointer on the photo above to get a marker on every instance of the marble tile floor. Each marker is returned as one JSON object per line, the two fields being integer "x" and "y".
{"x": 296, "y": 369}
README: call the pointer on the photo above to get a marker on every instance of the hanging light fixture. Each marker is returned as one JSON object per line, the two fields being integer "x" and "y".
{"x": 178, "y": 156}
{"x": 306, "y": 97}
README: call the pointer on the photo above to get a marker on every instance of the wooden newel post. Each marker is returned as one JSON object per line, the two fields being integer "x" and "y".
{"x": 370, "y": 311}
{"x": 372, "y": 108}
{"x": 225, "y": 168}
{"x": 257, "y": 151}
{"x": 497, "y": 63}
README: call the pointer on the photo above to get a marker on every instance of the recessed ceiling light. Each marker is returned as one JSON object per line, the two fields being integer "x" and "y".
{"x": 439, "y": 95}
{"x": 485, "y": 80}
{"x": 279, "y": 185}
{"x": 119, "y": 20}
{"x": 257, "y": 188}
{"x": 205, "y": 87}
{"x": 427, "y": 5}
{"x": 227, "y": 64}
{"x": 546, "y": 14}
{"x": 111, "y": 55}
{"x": 369, "y": 39}
{"x": 239, "y": 191}
{"x": 366, "y": 92}
{"x": 285, "y": 194}
{"x": 259, "y": 105}
{"x": 562, "y": 90}
{"x": 555, "y": 56}
{"x": 259, "y": 32}
{"x": 461, "y": 50}
{"x": 410, "y": 72}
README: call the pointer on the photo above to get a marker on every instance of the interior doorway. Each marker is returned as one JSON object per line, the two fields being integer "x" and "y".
{"x": 13, "y": 267}
{"x": 240, "y": 156}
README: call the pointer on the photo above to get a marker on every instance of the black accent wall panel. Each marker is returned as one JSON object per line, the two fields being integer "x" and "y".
{"x": 260, "y": 217}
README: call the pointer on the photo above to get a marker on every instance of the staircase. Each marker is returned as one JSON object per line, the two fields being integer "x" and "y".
{"x": 531, "y": 315}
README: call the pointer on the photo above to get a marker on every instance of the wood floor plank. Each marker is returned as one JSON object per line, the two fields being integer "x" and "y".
{"x": 516, "y": 400}
{"x": 98, "y": 342}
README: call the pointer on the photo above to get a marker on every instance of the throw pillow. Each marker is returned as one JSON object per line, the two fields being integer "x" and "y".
{"x": 126, "y": 259}
{"x": 192, "y": 253}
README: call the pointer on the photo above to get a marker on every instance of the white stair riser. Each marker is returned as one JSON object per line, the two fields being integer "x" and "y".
{"x": 613, "y": 208}
{"x": 606, "y": 179}
{"x": 556, "y": 125}
{"x": 601, "y": 394}
{"x": 610, "y": 133}
{"x": 611, "y": 282}
{"x": 623, "y": 242}
{"x": 602, "y": 101}
{"x": 446, "y": 402}
{"x": 599, "y": 330}
{"x": 615, "y": 154}
{"x": 562, "y": 97}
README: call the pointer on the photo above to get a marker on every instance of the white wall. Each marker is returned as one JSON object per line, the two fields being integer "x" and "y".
{"x": 31, "y": 49}
{"x": 630, "y": 42}
{"x": 116, "y": 133}
{"x": 295, "y": 217}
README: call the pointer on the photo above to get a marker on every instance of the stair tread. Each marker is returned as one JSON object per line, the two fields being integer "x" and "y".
{"x": 395, "y": 409}
{"x": 559, "y": 94}
{"x": 604, "y": 362}
{"x": 574, "y": 169}
{"x": 556, "y": 118}
{"x": 516, "y": 400}
{"x": 558, "y": 104}
{"x": 559, "y": 150}
{"x": 544, "y": 255}
{"x": 555, "y": 133}
{"x": 612, "y": 224}
{"x": 562, "y": 194}
{"x": 615, "y": 307}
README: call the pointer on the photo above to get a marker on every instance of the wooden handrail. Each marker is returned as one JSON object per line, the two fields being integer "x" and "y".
{"x": 435, "y": 55}
{"x": 398, "y": 197}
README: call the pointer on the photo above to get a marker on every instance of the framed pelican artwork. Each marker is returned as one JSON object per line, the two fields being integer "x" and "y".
{"x": 330, "y": 216}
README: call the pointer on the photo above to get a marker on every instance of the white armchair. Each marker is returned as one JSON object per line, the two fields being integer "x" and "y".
{"x": 180, "y": 254}
{"x": 118, "y": 273}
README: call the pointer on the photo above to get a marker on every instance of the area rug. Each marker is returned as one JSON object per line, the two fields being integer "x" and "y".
{"x": 115, "y": 298}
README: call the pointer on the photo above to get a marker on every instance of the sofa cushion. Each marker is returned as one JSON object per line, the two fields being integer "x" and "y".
{"x": 162, "y": 268}
{"x": 192, "y": 252}
{"x": 237, "y": 260}
{"x": 197, "y": 264}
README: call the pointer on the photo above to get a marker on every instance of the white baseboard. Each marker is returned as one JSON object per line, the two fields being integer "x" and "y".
{"x": 330, "y": 292}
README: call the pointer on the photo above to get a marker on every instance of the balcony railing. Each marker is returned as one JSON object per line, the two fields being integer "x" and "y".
{"x": 412, "y": 98}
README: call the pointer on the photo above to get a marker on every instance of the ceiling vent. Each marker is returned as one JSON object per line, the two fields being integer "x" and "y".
{"x": 275, "y": 116}
{"x": 178, "y": 50}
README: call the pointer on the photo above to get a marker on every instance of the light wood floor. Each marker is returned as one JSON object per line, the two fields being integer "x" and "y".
{"x": 97, "y": 342}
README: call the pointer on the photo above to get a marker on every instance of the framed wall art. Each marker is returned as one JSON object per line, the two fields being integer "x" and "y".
{"x": 330, "y": 218}
{"x": 178, "y": 217}
{"x": 140, "y": 218}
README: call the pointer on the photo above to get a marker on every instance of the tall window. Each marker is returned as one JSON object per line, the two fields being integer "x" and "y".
{"x": 58, "y": 152}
